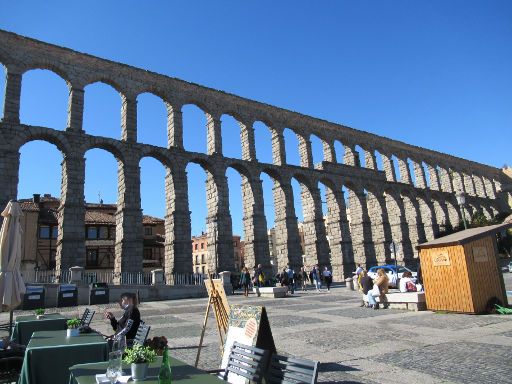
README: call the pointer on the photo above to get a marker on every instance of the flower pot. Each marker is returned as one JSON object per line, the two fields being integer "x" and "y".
{"x": 139, "y": 371}
{"x": 72, "y": 332}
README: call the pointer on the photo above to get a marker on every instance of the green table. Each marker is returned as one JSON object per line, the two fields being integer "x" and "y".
{"x": 49, "y": 355}
{"x": 26, "y": 325}
{"x": 181, "y": 373}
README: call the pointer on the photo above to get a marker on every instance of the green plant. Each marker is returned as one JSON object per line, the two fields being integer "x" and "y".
{"x": 73, "y": 323}
{"x": 139, "y": 354}
{"x": 39, "y": 311}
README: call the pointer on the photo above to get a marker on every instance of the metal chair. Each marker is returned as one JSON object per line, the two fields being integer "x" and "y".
{"x": 87, "y": 317}
{"x": 290, "y": 370}
{"x": 10, "y": 366}
{"x": 142, "y": 333}
{"x": 247, "y": 362}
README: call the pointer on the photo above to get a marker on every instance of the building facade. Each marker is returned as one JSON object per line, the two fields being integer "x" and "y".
{"x": 200, "y": 255}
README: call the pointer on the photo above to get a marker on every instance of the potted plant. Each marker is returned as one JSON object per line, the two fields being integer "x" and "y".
{"x": 139, "y": 357}
{"x": 73, "y": 325}
{"x": 39, "y": 313}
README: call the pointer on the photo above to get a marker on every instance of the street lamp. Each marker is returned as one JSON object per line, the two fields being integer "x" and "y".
{"x": 461, "y": 200}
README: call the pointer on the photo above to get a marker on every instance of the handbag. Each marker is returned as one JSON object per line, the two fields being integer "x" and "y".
{"x": 375, "y": 291}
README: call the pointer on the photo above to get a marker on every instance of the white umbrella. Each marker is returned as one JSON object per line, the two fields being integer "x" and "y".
{"x": 12, "y": 286}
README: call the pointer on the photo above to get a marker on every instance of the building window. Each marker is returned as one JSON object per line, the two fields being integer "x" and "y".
{"x": 55, "y": 231}
{"x": 197, "y": 269}
{"x": 203, "y": 270}
{"x": 202, "y": 245}
{"x": 103, "y": 232}
{"x": 53, "y": 255}
{"x": 44, "y": 232}
{"x": 148, "y": 231}
{"x": 202, "y": 259}
{"x": 195, "y": 246}
{"x": 148, "y": 254}
{"x": 92, "y": 232}
{"x": 234, "y": 243}
{"x": 197, "y": 259}
{"x": 91, "y": 259}
{"x": 112, "y": 232}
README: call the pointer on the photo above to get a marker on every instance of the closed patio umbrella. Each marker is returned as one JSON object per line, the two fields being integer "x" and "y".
{"x": 12, "y": 286}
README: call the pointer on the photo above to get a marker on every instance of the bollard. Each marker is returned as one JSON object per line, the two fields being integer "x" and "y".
{"x": 349, "y": 283}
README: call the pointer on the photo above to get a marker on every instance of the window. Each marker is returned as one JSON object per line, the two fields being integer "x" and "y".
{"x": 55, "y": 231}
{"x": 203, "y": 270}
{"x": 103, "y": 232}
{"x": 202, "y": 245}
{"x": 53, "y": 256}
{"x": 112, "y": 232}
{"x": 197, "y": 269}
{"x": 148, "y": 231}
{"x": 202, "y": 260}
{"x": 91, "y": 258}
{"x": 44, "y": 232}
{"x": 92, "y": 232}
{"x": 197, "y": 259}
{"x": 195, "y": 246}
{"x": 148, "y": 253}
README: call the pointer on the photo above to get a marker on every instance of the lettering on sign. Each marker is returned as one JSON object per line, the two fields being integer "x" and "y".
{"x": 440, "y": 258}
{"x": 480, "y": 255}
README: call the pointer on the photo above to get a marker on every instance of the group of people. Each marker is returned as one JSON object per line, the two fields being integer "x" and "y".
{"x": 257, "y": 279}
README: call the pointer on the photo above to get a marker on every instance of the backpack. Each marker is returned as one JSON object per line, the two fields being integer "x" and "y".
{"x": 410, "y": 286}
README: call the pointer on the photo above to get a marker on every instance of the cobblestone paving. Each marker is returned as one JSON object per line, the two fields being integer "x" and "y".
{"x": 352, "y": 344}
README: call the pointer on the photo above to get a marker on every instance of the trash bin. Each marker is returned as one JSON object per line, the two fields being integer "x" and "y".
{"x": 33, "y": 297}
{"x": 67, "y": 295}
{"x": 98, "y": 293}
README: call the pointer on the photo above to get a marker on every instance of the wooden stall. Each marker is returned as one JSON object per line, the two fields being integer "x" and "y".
{"x": 461, "y": 272}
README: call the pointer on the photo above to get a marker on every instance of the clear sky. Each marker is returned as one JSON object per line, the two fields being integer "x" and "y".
{"x": 431, "y": 73}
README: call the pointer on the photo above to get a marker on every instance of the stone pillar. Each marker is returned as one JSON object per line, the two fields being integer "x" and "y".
{"x": 178, "y": 247}
{"x": 458, "y": 182}
{"x": 329, "y": 154}
{"x": 360, "y": 228}
{"x": 316, "y": 248}
{"x": 174, "y": 126}
{"x": 157, "y": 277}
{"x": 286, "y": 230}
{"x": 370, "y": 159}
{"x": 446, "y": 180}
{"x": 214, "y": 134}
{"x": 419, "y": 174}
{"x": 338, "y": 230}
{"x": 381, "y": 230}
{"x": 489, "y": 188}
{"x": 129, "y": 118}
{"x": 71, "y": 216}
{"x": 75, "y": 109}
{"x": 479, "y": 186}
{"x": 12, "y": 97}
{"x": 389, "y": 168}
{"x": 129, "y": 230}
{"x": 405, "y": 173}
{"x": 278, "y": 148}
{"x": 454, "y": 214}
{"x": 351, "y": 156}
{"x": 256, "y": 248}
{"x": 441, "y": 214}
{"x": 415, "y": 225}
{"x": 9, "y": 168}
{"x": 468, "y": 184}
{"x": 248, "y": 141}
{"x": 428, "y": 218}
{"x": 305, "y": 152}
{"x": 398, "y": 223}
{"x": 219, "y": 228}
{"x": 435, "y": 185}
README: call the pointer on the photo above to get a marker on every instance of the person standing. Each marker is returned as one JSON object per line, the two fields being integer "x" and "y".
{"x": 316, "y": 278}
{"x": 327, "y": 278}
{"x": 291, "y": 279}
{"x": 366, "y": 284}
{"x": 245, "y": 280}
{"x": 305, "y": 278}
{"x": 358, "y": 271}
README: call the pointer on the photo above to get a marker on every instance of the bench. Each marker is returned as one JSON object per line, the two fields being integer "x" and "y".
{"x": 412, "y": 301}
{"x": 274, "y": 292}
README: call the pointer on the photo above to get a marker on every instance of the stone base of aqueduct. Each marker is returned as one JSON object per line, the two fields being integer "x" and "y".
{"x": 382, "y": 209}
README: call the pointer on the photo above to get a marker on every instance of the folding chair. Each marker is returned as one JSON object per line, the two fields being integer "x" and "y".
{"x": 142, "y": 333}
{"x": 87, "y": 317}
{"x": 245, "y": 361}
{"x": 290, "y": 370}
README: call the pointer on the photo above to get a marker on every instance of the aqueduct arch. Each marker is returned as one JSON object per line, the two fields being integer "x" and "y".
{"x": 359, "y": 226}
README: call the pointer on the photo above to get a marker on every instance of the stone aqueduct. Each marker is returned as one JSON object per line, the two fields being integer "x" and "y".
{"x": 381, "y": 208}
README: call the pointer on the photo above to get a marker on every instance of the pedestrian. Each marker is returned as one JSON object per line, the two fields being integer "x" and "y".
{"x": 316, "y": 278}
{"x": 260, "y": 276}
{"x": 327, "y": 278}
{"x": 291, "y": 279}
{"x": 245, "y": 280}
{"x": 305, "y": 278}
{"x": 359, "y": 269}
{"x": 366, "y": 284}
{"x": 380, "y": 288}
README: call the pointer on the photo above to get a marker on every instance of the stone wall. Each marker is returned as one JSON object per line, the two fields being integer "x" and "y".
{"x": 382, "y": 209}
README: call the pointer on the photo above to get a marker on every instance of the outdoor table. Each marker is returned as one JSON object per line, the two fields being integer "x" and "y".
{"x": 49, "y": 355}
{"x": 181, "y": 373}
{"x": 26, "y": 325}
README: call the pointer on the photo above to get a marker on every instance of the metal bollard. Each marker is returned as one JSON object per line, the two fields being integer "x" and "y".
{"x": 349, "y": 283}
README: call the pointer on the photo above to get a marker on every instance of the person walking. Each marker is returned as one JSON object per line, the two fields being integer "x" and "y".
{"x": 366, "y": 284}
{"x": 327, "y": 278}
{"x": 316, "y": 278}
{"x": 245, "y": 280}
{"x": 305, "y": 278}
{"x": 291, "y": 279}
{"x": 358, "y": 271}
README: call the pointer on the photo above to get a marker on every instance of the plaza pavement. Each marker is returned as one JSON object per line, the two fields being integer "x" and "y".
{"x": 353, "y": 344}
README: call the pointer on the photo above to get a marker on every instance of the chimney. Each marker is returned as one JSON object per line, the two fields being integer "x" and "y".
{"x": 36, "y": 198}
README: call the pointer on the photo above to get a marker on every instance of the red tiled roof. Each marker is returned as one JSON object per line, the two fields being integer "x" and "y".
{"x": 98, "y": 217}
{"x": 151, "y": 220}
{"x": 29, "y": 206}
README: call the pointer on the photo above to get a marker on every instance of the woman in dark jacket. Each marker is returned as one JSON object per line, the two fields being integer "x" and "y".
{"x": 131, "y": 312}
{"x": 366, "y": 284}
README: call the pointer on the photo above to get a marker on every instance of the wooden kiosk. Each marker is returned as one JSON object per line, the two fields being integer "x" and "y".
{"x": 461, "y": 272}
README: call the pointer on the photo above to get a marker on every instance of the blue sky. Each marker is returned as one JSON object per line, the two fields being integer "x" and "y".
{"x": 431, "y": 73}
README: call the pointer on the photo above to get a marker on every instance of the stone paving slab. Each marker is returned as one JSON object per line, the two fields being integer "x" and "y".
{"x": 454, "y": 321}
{"x": 358, "y": 312}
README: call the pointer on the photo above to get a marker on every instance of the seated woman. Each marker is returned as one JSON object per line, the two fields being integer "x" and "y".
{"x": 407, "y": 283}
{"x": 123, "y": 326}
{"x": 382, "y": 283}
